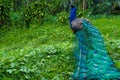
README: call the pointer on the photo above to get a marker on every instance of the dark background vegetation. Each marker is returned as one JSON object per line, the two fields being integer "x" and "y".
{"x": 23, "y": 12}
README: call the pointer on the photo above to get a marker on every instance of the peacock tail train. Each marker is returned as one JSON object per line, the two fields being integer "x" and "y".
{"x": 93, "y": 60}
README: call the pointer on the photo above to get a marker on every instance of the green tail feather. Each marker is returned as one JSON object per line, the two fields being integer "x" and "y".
{"x": 93, "y": 59}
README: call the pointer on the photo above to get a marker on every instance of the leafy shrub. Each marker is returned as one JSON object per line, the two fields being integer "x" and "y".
{"x": 41, "y": 9}
{"x": 4, "y": 13}
{"x": 114, "y": 47}
{"x": 62, "y": 17}
{"x": 38, "y": 63}
{"x": 35, "y": 10}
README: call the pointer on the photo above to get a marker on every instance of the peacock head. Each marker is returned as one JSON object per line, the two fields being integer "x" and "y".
{"x": 77, "y": 24}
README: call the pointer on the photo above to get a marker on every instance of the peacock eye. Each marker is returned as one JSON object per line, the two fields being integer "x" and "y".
{"x": 81, "y": 23}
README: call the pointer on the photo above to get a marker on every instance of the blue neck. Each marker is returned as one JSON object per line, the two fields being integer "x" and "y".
{"x": 72, "y": 14}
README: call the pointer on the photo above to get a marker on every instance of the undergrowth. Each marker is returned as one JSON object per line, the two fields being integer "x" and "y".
{"x": 45, "y": 52}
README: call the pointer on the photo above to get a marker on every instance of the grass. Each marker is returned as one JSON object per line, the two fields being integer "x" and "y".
{"x": 35, "y": 36}
{"x": 45, "y": 51}
{"x": 109, "y": 26}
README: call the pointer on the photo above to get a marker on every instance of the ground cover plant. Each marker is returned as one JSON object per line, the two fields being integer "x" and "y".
{"x": 45, "y": 51}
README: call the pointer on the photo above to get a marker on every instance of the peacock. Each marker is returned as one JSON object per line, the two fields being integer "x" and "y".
{"x": 93, "y": 61}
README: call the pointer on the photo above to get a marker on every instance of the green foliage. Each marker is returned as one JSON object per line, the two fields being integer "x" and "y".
{"x": 4, "y": 12}
{"x": 26, "y": 53}
{"x": 114, "y": 48}
{"x": 35, "y": 63}
{"x": 35, "y": 10}
{"x": 45, "y": 51}
{"x": 25, "y": 12}
{"x": 103, "y": 7}
{"x": 62, "y": 17}
{"x": 41, "y": 9}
